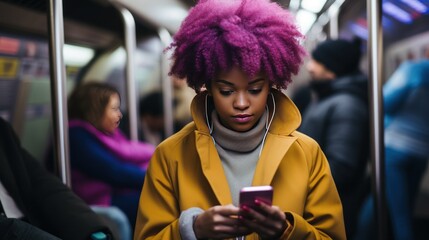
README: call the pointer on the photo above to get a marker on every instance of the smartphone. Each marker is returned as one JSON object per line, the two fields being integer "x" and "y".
{"x": 248, "y": 195}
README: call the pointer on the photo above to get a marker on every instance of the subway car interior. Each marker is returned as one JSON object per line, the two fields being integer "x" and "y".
{"x": 122, "y": 42}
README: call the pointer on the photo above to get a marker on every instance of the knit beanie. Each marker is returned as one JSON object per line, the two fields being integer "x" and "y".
{"x": 339, "y": 56}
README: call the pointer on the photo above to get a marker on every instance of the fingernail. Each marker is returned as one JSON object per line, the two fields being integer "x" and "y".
{"x": 257, "y": 202}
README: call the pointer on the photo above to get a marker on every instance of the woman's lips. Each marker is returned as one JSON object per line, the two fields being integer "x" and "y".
{"x": 242, "y": 118}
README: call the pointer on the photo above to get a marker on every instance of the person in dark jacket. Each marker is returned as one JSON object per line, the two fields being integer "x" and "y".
{"x": 35, "y": 204}
{"x": 338, "y": 119}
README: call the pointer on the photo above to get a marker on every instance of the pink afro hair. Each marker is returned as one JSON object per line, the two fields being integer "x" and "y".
{"x": 255, "y": 35}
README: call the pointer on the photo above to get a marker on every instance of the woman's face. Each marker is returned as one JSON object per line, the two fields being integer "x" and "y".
{"x": 238, "y": 100}
{"x": 112, "y": 114}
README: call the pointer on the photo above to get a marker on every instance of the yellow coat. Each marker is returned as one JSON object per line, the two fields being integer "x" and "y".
{"x": 186, "y": 172}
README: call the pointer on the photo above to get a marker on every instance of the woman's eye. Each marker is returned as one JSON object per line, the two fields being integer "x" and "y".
{"x": 255, "y": 91}
{"x": 225, "y": 92}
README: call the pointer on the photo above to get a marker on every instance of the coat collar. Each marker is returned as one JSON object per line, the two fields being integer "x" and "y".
{"x": 286, "y": 120}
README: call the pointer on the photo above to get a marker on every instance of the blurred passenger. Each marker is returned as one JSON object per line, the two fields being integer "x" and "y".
{"x": 151, "y": 115}
{"x": 406, "y": 98}
{"x": 243, "y": 133}
{"x": 338, "y": 119}
{"x": 36, "y": 205}
{"x": 107, "y": 168}
{"x": 183, "y": 96}
{"x": 302, "y": 97}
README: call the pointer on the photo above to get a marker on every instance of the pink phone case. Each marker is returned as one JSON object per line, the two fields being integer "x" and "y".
{"x": 262, "y": 193}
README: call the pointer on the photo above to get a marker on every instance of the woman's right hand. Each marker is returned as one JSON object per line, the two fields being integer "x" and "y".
{"x": 219, "y": 222}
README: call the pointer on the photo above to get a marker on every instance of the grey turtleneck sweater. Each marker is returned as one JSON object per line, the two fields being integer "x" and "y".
{"x": 239, "y": 153}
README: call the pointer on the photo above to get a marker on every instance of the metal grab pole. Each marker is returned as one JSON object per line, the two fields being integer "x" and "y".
{"x": 333, "y": 23}
{"x": 167, "y": 88}
{"x": 130, "y": 48}
{"x": 333, "y": 13}
{"x": 58, "y": 88}
{"x": 375, "y": 50}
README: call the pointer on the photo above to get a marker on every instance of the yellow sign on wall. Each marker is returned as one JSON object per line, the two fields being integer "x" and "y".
{"x": 8, "y": 67}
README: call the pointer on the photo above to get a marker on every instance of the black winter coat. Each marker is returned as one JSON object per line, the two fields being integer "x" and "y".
{"x": 338, "y": 119}
{"x": 44, "y": 200}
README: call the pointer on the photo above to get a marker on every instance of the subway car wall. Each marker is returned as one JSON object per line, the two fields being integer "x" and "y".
{"x": 25, "y": 89}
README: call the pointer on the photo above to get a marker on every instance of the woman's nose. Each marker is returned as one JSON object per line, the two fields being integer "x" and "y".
{"x": 241, "y": 101}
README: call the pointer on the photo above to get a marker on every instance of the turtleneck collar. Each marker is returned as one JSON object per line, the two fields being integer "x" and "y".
{"x": 238, "y": 141}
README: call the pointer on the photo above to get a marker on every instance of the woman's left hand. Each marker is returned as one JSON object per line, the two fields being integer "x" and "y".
{"x": 269, "y": 222}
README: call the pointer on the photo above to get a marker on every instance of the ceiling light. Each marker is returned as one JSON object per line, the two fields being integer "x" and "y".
{"x": 416, "y": 5}
{"x": 396, "y": 12}
{"x": 77, "y": 56}
{"x": 305, "y": 20}
{"x": 313, "y": 5}
{"x": 294, "y": 5}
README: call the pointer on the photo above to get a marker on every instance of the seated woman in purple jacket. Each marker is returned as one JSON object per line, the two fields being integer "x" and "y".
{"x": 107, "y": 168}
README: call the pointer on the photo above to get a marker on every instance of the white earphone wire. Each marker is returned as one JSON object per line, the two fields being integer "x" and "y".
{"x": 207, "y": 120}
{"x": 267, "y": 127}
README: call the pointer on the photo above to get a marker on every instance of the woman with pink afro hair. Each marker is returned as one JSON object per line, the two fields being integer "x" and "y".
{"x": 237, "y": 55}
{"x": 255, "y": 35}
